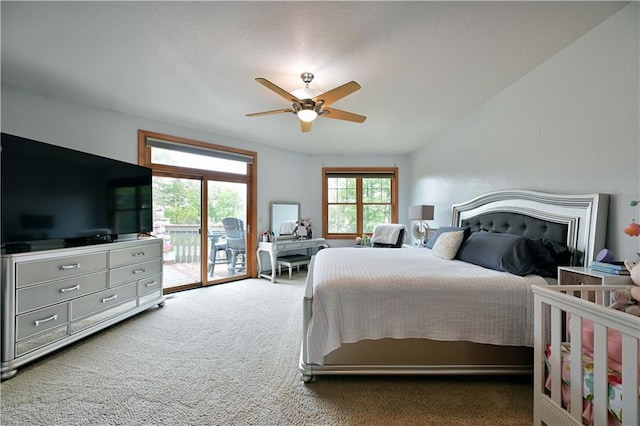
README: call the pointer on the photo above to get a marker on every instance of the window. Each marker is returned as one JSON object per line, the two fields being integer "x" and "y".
{"x": 355, "y": 200}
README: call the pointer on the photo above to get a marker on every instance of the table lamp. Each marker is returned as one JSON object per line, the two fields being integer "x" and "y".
{"x": 421, "y": 228}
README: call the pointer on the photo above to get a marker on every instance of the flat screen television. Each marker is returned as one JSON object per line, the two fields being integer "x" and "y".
{"x": 54, "y": 196}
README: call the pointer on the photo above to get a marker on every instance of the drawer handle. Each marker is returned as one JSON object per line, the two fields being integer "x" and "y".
{"x": 75, "y": 287}
{"x": 151, "y": 284}
{"x": 139, "y": 271}
{"x": 140, "y": 253}
{"x": 108, "y": 299}
{"x": 51, "y": 318}
{"x": 67, "y": 267}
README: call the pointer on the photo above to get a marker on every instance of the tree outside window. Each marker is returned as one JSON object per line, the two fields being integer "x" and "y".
{"x": 180, "y": 200}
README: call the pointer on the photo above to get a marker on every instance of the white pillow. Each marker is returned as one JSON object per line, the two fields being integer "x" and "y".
{"x": 447, "y": 245}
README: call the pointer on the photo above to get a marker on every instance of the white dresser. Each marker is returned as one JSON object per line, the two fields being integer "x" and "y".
{"x": 51, "y": 298}
{"x": 277, "y": 247}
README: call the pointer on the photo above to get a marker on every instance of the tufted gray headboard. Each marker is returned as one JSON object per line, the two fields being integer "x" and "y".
{"x": 578, "y": 221}
{"x": 519, "y": 224}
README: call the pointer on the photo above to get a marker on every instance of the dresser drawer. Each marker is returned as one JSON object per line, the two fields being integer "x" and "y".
{"x": 131, "y": 255}
{"x": 134, "y": 272}
{"x": 298, "y": 244}
{"x": 150, "y": 284}
{"x": 41, "y": 339}
{"x": 98, "y": 317}
{"x": 60, "y": 267}
{"x": 102, "y": 300}
{"x": 42, "y": 320}
{"x": 291, "y": 245}
{"x": 41, "y": 295}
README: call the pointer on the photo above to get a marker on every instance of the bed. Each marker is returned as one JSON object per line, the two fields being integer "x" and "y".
{"x": 606, "y": 365}
{"x": 405, "y": 311}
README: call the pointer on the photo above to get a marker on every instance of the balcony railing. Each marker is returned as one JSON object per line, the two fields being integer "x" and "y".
{"x": 185, "y": 243}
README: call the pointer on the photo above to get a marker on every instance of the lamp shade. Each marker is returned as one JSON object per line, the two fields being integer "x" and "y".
{"x": 307, "y": 115}
{"x": 421, "y": 212}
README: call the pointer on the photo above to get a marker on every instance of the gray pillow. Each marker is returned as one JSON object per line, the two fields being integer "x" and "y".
{"x": 508, "y": 253}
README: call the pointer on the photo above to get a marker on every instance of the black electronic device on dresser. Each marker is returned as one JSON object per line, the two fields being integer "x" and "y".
{"x": 54, "y": 197}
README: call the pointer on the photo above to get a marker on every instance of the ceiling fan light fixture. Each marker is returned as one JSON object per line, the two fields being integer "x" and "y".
{"x": 307, "y": 115}
{"x": 308, "y": 104}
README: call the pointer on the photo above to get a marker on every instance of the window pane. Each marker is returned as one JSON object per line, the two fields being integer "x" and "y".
{"x": 179, "y": 199}
{"x": 176, "y": 158}
{"x": 342, "y": 219}
{"x": 176, "y": 207}
{"x": 226, "y": 199}
{"x": 373, "y": 215}
{"x": 342, "y": 190}
{"x": 376, "y": 190}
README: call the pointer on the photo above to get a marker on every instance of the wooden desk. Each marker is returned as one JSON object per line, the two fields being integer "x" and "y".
{"x": 280, "y": 246}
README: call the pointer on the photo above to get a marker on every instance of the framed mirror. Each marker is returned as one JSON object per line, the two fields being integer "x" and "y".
{"x": 284, "y": 216}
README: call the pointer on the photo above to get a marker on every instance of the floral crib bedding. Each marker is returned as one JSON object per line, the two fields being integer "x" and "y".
{"x": 614, "y": 379}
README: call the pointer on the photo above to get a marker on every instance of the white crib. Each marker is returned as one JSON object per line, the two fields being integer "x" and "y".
{"x": 583, "y": 302}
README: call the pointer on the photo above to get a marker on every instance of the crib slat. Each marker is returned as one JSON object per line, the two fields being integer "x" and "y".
{"x": 600, "y": 385}
{"x": 539, "y": 335}
{"x": 576, "y": 367}
{"x": 630, "y": 405}
{"x": 556, "y": 359}
{"x": 600, "y": 297}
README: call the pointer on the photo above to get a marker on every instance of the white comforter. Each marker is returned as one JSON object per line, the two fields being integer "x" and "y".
{"x": 363, "y": 293}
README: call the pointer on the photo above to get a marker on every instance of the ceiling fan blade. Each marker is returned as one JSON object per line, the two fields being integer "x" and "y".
{"x": 338, "y": 93}
{"x": 343, "y": 115}
{"x": 305, "y": 126}
{"x": 275, "y": 111}
{"x": 269, "y": 85}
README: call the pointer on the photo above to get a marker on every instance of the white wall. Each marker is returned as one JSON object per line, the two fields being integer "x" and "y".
{"x": 282, "y": 175}
{"x": 113, "y": 134}
{"x": 569, "y": 126}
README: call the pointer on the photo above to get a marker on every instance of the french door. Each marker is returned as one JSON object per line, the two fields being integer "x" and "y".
{"x": 199, "y": 189}
{"x": 227, "y": 224}
{"x": 177, "y": 219}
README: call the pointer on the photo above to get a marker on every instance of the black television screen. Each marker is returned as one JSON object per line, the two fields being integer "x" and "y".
{"x": 53, "y": 193}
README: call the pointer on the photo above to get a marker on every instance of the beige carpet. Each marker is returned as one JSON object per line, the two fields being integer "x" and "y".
{"x": 228, "y": 355}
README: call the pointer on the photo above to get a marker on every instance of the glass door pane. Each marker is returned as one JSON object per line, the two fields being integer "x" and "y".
{"x": 177, "y": 220}
{"x": 227, "y": 230}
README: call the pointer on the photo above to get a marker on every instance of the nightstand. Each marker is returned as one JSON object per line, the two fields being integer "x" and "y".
{"x": 579, "y": 275}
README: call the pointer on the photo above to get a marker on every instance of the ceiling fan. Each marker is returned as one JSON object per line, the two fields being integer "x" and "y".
{"x": 308, "y": 104}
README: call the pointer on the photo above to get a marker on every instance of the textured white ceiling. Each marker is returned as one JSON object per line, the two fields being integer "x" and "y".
{"x": 421, "y": 65}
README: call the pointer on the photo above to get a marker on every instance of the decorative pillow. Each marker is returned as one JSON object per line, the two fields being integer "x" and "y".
{"x": 443, "y": 230}
{"x": 448, "y": 244}
{"x": 508, "y": 253}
